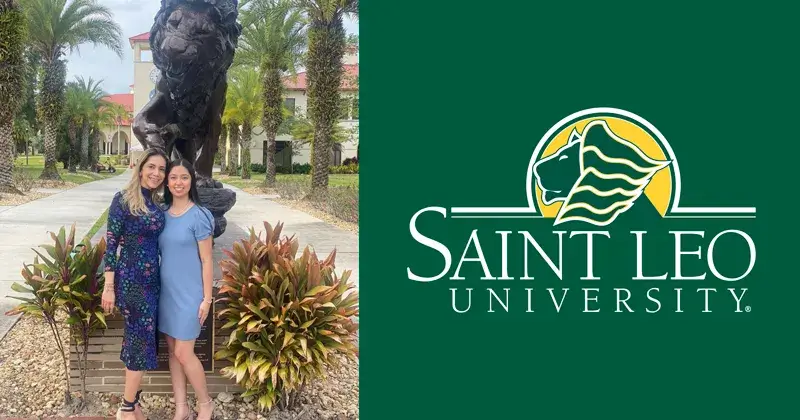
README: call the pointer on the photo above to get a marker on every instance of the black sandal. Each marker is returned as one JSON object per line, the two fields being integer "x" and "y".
{"x": 136, "y": 400}
{"x": 127, "y": 406}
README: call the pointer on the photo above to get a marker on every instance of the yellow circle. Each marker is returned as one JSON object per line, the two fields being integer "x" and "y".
{"x": 658, "y": 191}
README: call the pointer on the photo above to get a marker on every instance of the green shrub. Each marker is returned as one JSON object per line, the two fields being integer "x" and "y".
{"x": 287, "y": 316}
{"x": 344, "y": 169}
{"x": 70, "y": 281}
{"x": 258, "y": 168}
{"x": 305, "y": 168}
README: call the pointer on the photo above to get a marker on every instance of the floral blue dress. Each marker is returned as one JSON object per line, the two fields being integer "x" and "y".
{"x": 136, "y": 278}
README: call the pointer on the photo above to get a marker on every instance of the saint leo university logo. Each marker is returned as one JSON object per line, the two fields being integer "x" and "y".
{"x": 590, "y": 169}
{"x": 596, "y": 164}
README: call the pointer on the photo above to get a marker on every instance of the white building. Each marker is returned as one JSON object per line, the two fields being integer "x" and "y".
{"x": 297, "y": 99}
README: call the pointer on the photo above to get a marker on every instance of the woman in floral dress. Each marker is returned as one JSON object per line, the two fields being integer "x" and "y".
{"x": 132, "y": 281}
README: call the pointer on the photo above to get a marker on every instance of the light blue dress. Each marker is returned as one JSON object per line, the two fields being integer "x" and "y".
{"x": 182, "y": 272}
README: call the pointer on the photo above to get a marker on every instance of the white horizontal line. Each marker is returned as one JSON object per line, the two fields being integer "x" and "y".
{"x": 492, "y": 210}
{"x": 749, "y": 210}
{"x": 498, "y": 216}
{"x": 707, "y": 216}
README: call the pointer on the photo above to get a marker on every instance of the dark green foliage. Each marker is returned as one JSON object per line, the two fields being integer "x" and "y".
{"x": 12, "y": 40}
{"x": 12, "y": 57}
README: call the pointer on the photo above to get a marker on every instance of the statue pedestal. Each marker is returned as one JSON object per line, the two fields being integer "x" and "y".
{"x": 218, "y": 201}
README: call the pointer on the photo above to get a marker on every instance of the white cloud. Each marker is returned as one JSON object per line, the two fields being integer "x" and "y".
{"x": 134, "y": 17}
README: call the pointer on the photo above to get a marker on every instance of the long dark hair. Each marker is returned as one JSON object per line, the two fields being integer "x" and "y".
{"x": 193, "y": 195}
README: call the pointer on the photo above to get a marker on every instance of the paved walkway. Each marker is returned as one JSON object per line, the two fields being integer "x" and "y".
{"x": 24, "y": 227}
{"x": 322, "y": 237}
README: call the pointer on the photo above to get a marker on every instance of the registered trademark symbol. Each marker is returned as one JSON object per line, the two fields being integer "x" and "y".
{"x": 747, "y": 308}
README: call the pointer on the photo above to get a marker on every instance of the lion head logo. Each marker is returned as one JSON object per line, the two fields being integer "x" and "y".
{"x": 597, "y": 175}
{"x": 562, "y": 170}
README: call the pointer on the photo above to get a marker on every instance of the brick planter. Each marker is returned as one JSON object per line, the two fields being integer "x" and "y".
{"x": 106, "y": 373}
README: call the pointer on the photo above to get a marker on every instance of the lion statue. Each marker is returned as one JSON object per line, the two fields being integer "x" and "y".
{"x": 193, "y": 44}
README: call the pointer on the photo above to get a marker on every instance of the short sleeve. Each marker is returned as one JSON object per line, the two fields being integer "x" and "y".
{"x": 204, "y": 224}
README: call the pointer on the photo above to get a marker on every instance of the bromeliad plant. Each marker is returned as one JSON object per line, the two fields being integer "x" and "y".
{"x": 82, "y": 299}
{"x": 288, "y": 316}
{"x": 70, "y": 281}
{"x": 43, "y": 305}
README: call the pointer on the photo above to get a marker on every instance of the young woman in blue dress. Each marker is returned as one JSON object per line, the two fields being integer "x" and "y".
{"x": 186, "y": 285}
{"x": 132, "y": 280}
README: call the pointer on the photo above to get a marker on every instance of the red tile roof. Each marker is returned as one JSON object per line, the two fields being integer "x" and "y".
{"x": 124, "y": 99}
{"x": 145, "y": 36}
{"x": 299, "y": 82}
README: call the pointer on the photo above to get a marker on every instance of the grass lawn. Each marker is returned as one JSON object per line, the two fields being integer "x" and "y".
{"x": 334, "y": 180}
{"x": 98, "y": 224}
{"x": 35, "y": 165}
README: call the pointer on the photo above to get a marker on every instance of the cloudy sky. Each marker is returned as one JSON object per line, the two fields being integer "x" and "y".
{"x": 135, "y": 17}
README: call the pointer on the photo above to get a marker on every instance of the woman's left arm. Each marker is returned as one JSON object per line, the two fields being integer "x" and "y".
{"x": 203, "y": 231}
{"x": 207, "y": 259}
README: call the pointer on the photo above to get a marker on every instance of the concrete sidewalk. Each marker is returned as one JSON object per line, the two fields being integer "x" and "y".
{"x": 25, "y": 227}
{"x": 322, "y": 237}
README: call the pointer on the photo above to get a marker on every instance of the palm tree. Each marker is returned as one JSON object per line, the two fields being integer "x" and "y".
{"x": 113, "y": 114}
{"x": 326, "y": 45}
{"x": 95, "y": 95}
{"x": 12, "y": 74}
{"x": 234, "y": 133}
{"x": 222, "y": 148}
{"x": 243, "y": 106}
{"x": 273, "y": 40}
{"x": 78, "y": 106}
{"x": 57, "y": 28}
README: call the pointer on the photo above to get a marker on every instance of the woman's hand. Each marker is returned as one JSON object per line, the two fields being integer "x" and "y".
{"x": 108, "y": 299}
{"x": 202, "y": 314}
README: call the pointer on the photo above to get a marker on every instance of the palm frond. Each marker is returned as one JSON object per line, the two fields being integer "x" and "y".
{"x": 57, "y": 27}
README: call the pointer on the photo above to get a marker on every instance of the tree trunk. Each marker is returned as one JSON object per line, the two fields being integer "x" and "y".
{"x": 94, "y": 148}
{"x": 51, "y": 104}
{"x": 311, "y": 157}
{"x": 272, "y": 118}
{"x": 271, "y": 170}
{"x": 72, "y": 134}
{"x": 85, "y": 146}
{"x": 324, "y": 72}
{"x": 233, "y": 156}
{"x": 50, "y": 135}
{"x": 7, "y": 158}
{"x": 247, "y": 132}
{"x": 222, "y": 149}
{"x": 12, "y": 76}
